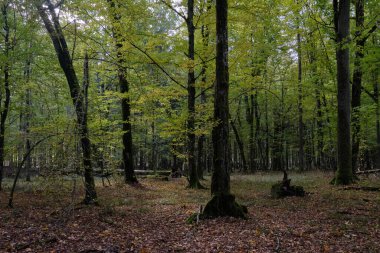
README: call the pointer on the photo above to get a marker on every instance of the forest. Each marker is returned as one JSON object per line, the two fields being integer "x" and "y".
{"x": 189, "y": 126}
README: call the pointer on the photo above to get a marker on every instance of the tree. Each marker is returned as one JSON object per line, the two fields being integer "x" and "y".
{"x": 193, "y": 177}
{"x": 342, "y": 30}
{"x": 223, "y": 202}
{"x": 360, "y": 40}
{"x": 191, "y": 93}
{"x": 300, "y": 97}
{"x": 6, "y": 68}
{"x": 55, "y": 32}
{"x": 127, "y": 163}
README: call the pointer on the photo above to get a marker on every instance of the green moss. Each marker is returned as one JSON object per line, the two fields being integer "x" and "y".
{"x": 192, "y": 218}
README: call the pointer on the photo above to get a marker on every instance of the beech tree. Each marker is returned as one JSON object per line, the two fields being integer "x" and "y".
{"x": 342, "y": 29}
{"x": 127, "y": 162}
{"x": 223, "y": 202}
{"x": 5, "y": 67}
{"x": 54, "y": 29}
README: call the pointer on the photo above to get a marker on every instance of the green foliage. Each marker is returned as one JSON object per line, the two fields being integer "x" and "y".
{"x": 262, "y": 62}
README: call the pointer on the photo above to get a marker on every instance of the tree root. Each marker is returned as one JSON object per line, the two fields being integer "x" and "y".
{"x": 224, "y": 205}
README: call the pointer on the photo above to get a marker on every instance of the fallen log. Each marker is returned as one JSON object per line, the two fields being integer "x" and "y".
{"x": 362, "y": 188}
{"x": 367, "y": 171}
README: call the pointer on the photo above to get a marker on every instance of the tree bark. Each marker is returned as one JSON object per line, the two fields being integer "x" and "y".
{"x": 55, "y": 32}
{"x": 127, "y": 163}
{"x": 342, "y": 27}
{"x": 28, "y": 118}
{"x": 301, "y": 137}
{"x": 376, "y": 87}
{"x": 222, "y": 203}
{"x": 4, "y": 107}
{"x": 250, "y": 114}
{"x": 201, "y": 140}
{"x": 193, "y": 173}
{"x": 221, "y": 177}
{"x": 357, "y": 82}
{"x": 240, "y": 145}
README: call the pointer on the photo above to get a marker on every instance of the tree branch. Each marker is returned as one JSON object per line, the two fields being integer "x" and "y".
{"x": 173, "y": 9}
{"x": 369, "y": 94}
{"x": 10, "y": 202}
{"x": 156, "y": 63}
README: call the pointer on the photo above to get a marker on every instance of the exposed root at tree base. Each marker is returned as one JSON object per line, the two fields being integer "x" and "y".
{"x": 197, "y": 185}
{"x": 224, "y": 205}
{"x": 87, "y": 201}
{"x": 340, "y": 181}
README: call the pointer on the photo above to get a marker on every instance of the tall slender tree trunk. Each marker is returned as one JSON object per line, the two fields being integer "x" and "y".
{"x": 55, "y": 32}
{"x": 240, "y": 145}
{"x": 4, "y": 107}
{"x": 28, "y": 118}
{"x": 376, "y": 93}
{"x": 301, "y": 137}
{"x": 153, "y": 165}
{"x": 127, "y": 154}
{"x": 249, "y": 103}
{"x": 193, "y": 173}
{"x": 267, "y": 145}
{"x": 377, "y": 152}
{"x": 205, "y": 41}
{"x": 259, "y": 146}
{"x": 222, "y": 203}
{"x": 357, "y": 82}
{"x": 342, "y": 27}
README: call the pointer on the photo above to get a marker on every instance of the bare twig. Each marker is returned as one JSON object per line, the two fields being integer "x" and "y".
{"x": 10, "y": 202}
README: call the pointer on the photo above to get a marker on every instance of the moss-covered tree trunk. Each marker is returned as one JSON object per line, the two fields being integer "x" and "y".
{"x": 222, "y": 203}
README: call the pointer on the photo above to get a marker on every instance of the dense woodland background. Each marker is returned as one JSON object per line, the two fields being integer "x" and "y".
{"x": 158, "y": 58}
{"x": 166, "y": 99}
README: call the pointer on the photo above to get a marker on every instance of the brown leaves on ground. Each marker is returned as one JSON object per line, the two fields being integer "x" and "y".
{"x": 152, "y": 218}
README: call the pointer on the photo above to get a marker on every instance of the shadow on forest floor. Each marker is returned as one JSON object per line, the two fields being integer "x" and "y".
{"x": 47, "y": 217}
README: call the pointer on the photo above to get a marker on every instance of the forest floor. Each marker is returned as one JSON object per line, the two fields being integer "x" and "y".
{"x": 152, "y": 217}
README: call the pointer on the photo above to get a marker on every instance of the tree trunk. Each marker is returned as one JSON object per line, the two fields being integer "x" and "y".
{"x": 193, "y": 173}
{"x": 28, "y": 118}
{"x": 267, "y": 145}
{"x": 221, "y": 177}
{"x": 342, "y": 26}
{"x": 153, "y": 165}
{"x": 357, "y": 82}
{"x": 301, "y": 137}
{"x": 201, "y": 140}
{"x": 222, "y": 203}
{"x": 55, "y": 32}
{"x": 4, "y": 107}
{"x": 376, "y": 87}
{"x": 127, "y": 163}
{"x": 240, "y": 145}
{"x": 249, "y": 101}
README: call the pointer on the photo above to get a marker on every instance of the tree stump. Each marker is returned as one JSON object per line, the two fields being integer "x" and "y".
{"x": 284, "y": 189}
